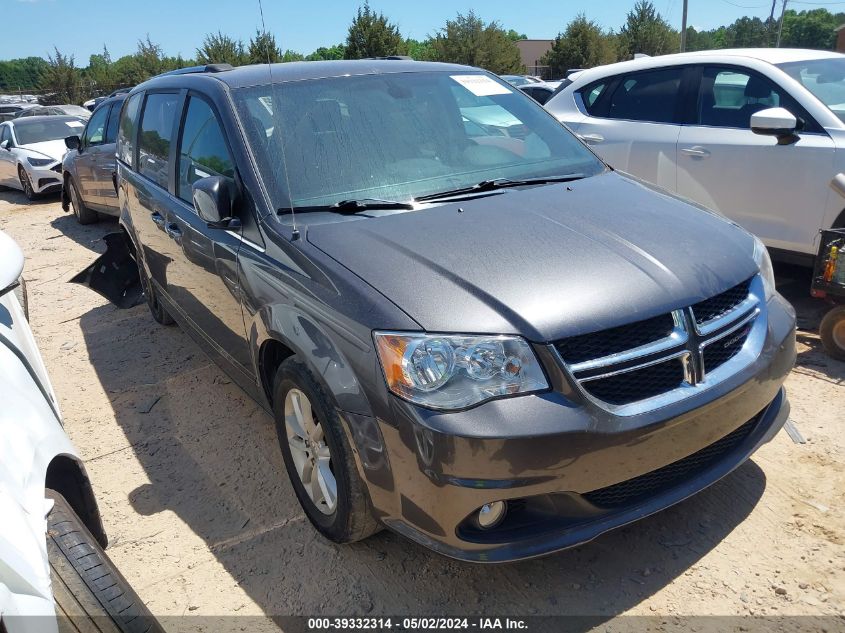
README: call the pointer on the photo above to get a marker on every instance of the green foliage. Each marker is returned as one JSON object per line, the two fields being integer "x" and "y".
{"x": 583, "y": 44}
{"x": 60, "y": 81}
{"x": 645, "y": 31}
{"x": 218, "y": 48}
{"x": 810, "y": 29}
{"x": 292, "y": 56}
{"x": 372, "y": 35}
{"x": 513, "y": 36}
{"x": 327, "y": 53}
{"x": 421, "y": 50}
{"x": 262, "y": 49}
{"x": 22, "y": 74}
{"x": 468, "y": 40}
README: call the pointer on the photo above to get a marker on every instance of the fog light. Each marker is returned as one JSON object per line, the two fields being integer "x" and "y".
{"x": 491, "y": 514}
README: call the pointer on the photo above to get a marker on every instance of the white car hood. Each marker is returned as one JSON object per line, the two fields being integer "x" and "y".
{"x": 54, "y": 149}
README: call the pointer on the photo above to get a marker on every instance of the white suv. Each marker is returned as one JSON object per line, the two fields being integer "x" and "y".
{"x": 751, "y": 133}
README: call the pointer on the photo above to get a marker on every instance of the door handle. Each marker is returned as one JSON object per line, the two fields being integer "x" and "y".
{"x": 173, "y": 232}
{"x": 696, "y": 152}
{"x": 591, "y": 139}
{"x": 158, "y": 219}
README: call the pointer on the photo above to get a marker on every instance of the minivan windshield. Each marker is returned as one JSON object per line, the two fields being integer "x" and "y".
{"x": 400, "y": 136}
{"x": 46, "y": 129}
{"x": 825, "y": 78}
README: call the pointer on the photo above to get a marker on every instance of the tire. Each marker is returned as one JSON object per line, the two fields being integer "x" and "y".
{"x": 26, "y": 184}
{"x": 832, "y": 333}
{"x": 159, "y": 312}
{"x": 83, "y": 214}
{"x": 351, "y": 518}
{"x": 90, "y": 593}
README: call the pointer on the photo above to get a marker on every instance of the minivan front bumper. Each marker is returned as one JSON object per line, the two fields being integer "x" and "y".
{"x": 567, "y": 470}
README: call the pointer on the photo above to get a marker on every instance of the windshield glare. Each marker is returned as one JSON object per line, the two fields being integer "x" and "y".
{"x": 825, "y": 78}
{"x": 49, "y": 129}
{"x": 399, "y": 136}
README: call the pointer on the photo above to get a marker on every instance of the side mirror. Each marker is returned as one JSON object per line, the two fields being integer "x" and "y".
{"x": 214, "y": 198}
{"x": 6, "y": 145}
{"x": 72, "y": 142}
{"x": 778, "y": 122}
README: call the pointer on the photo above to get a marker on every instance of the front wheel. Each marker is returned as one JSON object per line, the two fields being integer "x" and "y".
{"x": 26, "y": 184}
{"x": 832, "y": 332}
{"x": 318, "y": 457}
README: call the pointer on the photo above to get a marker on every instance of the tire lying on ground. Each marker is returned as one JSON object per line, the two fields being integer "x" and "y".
{"x": 87, "y": 587}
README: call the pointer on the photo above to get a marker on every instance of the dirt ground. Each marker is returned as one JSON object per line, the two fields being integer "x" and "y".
{"x": 202, "y": 519}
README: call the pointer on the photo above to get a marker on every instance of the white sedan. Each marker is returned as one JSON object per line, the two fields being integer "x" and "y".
{"x": 31, "y": 152}
{"x": 756, "y": 134}
{"x": 52, "y": 561}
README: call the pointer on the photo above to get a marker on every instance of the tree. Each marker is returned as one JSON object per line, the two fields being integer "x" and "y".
{"x": 372, "y": 35}
{"x": 218, "y": 48}
{"x": 809, "y": 29}
{"x": 645, "y": 31}
{"x": 748, "y": 32}
{"x": 263, "y": 49}
{"x": 61, "y": 80}
{"x": 150, "y": 59}
{"x": 22, "y": 74}
{"x": 513, "y": 36}
{"x": 420, "y": 50}
{"x": 583, "y": 44}
{"x": 100, "y": 75}
{"x": 292, "y": 56}
{"x": 468, "y": 40}
{"x": 326, "y": 53}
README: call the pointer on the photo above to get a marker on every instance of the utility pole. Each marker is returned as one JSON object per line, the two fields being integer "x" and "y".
{"x": 684, "y": 28}
{"x": 780, "y": 26}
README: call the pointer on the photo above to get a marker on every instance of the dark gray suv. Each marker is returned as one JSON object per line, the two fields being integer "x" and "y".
{"x": 468, "y": 328}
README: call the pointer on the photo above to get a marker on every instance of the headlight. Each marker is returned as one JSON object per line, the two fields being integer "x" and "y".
{"x": 764, "y": 263}
{"x": 454, "y": 372}
{"x": 39, "y": 162}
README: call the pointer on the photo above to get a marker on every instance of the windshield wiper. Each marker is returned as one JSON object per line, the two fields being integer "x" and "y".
{"x": 497, "y": 183}
{"x": 353, "y": 206}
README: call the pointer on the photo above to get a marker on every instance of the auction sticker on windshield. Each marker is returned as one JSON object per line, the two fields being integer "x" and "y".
{"x": 481, "y": 85}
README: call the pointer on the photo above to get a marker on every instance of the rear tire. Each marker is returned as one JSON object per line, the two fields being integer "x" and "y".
{"x": 26, "y": 184}
{"x": 160, "y": 314}
{"x": 350, "y": 517}
{"x": 832, "y": 333}
{"x": 83, "y": 214}
{"x": 87, "y": 587}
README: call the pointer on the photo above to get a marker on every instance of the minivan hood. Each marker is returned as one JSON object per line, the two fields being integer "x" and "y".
{"x": 545, "y": 262}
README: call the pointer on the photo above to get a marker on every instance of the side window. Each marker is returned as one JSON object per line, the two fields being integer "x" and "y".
{"x": 111, "y": 126}
{"x": 647, "y": 96}
{"x": 156, "y": 129}
{"x": 728, "y": 97}
{"x": 95, "y": 131}
{"x": 4, "y": 134}
{"x": 590, "y": 95}
{"x": 126, "y": 133}
{"x": 202, "y": 148}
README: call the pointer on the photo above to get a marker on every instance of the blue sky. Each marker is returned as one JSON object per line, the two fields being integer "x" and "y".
{"x": 81, "y": 27}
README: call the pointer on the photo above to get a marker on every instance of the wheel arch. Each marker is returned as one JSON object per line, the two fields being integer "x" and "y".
{"x": 67, "y": 476}
{"x": 283, "y": 331}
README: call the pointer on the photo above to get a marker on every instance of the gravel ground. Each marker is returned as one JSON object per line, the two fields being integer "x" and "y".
{"x": 203, "y": 521}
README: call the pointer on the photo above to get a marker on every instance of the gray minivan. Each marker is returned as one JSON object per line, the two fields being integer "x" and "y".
{"x": 486, "y": 340}
{"x": 88, "y": 168}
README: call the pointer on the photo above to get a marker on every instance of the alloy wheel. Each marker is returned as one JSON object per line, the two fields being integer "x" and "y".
{"x": 310, "y": 452}
{"x": 27, "y": 185}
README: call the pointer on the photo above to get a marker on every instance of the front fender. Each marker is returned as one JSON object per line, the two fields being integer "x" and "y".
{"x": 325, "y": 348}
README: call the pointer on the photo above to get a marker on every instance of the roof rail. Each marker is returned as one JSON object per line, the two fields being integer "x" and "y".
{"x": 207, "y": 68}
{"x": 399, "y": 57}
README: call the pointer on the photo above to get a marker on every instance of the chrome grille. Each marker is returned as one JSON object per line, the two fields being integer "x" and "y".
{"x": 578, "y": 349}
{"x": 721, "y": 304}
{"x": 627, "y": 368}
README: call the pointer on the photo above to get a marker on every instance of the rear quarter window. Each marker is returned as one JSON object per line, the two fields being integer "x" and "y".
{"x": 126, "y": 132}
